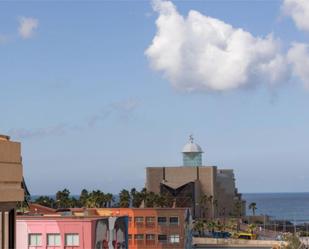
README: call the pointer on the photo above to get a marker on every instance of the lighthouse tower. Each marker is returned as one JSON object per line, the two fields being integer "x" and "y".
{"x": 192, "y": 154}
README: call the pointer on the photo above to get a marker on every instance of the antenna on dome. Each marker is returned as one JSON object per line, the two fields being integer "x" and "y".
{"x": 191, "y": 139}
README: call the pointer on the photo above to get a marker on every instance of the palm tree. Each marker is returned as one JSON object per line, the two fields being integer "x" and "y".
{"x": 216, "y": 205}
{"x": 162, "y": 201}
{"x": 136, "y": 198}
{"x": 109, "y": 198}
{"x": 124, "y": 198}
{"x": 84, "y": 195}
{"x": 210, "y": 201}
{"x": 253, "y": 207}
{"x": 63, "y": 198}
{"x": 204, "y": 200}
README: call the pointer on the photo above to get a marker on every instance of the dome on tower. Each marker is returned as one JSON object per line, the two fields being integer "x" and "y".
{"x": 192, "y": 147}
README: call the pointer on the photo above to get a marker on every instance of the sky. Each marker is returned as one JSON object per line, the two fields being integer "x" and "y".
{"x": 98, "y": 90}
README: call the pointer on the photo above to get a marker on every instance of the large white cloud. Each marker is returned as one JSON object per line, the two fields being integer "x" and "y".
{"x": 298, "y": 56}
{"x": 299, "y": 11}
{"x": 27, "y": 26}
{"x": 198, "y": 52}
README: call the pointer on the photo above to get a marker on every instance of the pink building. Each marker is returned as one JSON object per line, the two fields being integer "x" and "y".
{"x": 69, "y": 232}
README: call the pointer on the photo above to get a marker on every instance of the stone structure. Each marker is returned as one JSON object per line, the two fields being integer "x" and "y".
{"x": 208, "y": 191}
{"x": 11, "y": 190}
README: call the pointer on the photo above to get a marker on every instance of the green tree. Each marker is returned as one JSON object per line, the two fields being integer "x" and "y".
{"x": 216, "y": 206}
{"x": 210, "y": 204}
{"x": 63, "y": 199}
{"x": 109, "y": 198}
{"x": 136, "y": 197}
{"x": 203, "y": 202}
{"x": 151, "y": 199}
{"x": 211, "y": 225}
{"x": 84, "y": 195}
{"x": 253, "y": 207}
{"x": 45, "y": 201}
{"x": 124, "y": 198}
{"x": 199, "y": 226}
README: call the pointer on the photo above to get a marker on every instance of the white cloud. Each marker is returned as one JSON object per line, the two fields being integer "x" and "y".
{"x": 198, "y": 52}
{"x": 27, "y": 26}
{"x": 298, "y": 56}
{"x": 299, "y": 11}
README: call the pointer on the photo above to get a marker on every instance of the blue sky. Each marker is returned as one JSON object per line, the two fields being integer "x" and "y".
{"x": 79, "y": 92}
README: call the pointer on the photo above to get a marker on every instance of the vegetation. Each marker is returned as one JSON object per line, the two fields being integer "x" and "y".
{"x": 293, "y": 242}
{"x": 99, "y": 199}
{"x": 206, "y": 203}
{"x": 251, "y": 228}
{"x": 253, "y": 207}
{"x": 199, "y": 226}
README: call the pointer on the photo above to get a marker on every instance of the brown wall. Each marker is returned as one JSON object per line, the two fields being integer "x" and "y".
{"x": 210, "y": 181}
{"x": 10, "y": 171}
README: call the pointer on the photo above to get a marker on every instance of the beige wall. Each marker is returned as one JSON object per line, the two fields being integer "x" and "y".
{"x": 208, "y": 180}
{"x": 10, "y": 171}
{"x": 154, "y": 176}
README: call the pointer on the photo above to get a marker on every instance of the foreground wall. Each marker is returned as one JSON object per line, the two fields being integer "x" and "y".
{"x": 11, "y": 192}
{"x": 89, "y": 233}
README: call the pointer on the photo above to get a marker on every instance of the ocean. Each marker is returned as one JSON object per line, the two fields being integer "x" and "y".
{"x": 284, "y": 206}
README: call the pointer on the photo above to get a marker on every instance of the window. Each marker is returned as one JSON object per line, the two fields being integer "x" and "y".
{"x": 162, "y": 238}
{"x": 129, "y": 236}
{"x": 174, "y": 220}
{"x": 150, "y": 219}
{"x": 35, "y": 239}
{"x": 139, "y": 219}
{"x": 162, "y": 220}
{"x": 174, "y": 238}
{"x": 150, "y": 237}
{"x": 72, "y": 239}
{"x": 53, "y": 239}
{"x": 139, "y": 236}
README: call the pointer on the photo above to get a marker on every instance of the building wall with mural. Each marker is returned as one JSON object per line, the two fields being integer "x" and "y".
{"x": 38, "y": 232}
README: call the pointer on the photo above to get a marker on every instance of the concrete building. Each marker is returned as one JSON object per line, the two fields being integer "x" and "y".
{"x": 210, "y": 192}
{"x": 64, "y": 232}
{"x": 11, "y": 190}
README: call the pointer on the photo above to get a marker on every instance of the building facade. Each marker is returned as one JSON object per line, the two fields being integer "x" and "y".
{"x": 209, "y": 192}
{"x": 68, "y": 232}
{"x": 148, "y": 228}
{"x": 11, "y": 190}
{"x": 155, "y": 228}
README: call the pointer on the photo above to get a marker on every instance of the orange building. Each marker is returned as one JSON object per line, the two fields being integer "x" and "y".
{"x": 151, "y": 228}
